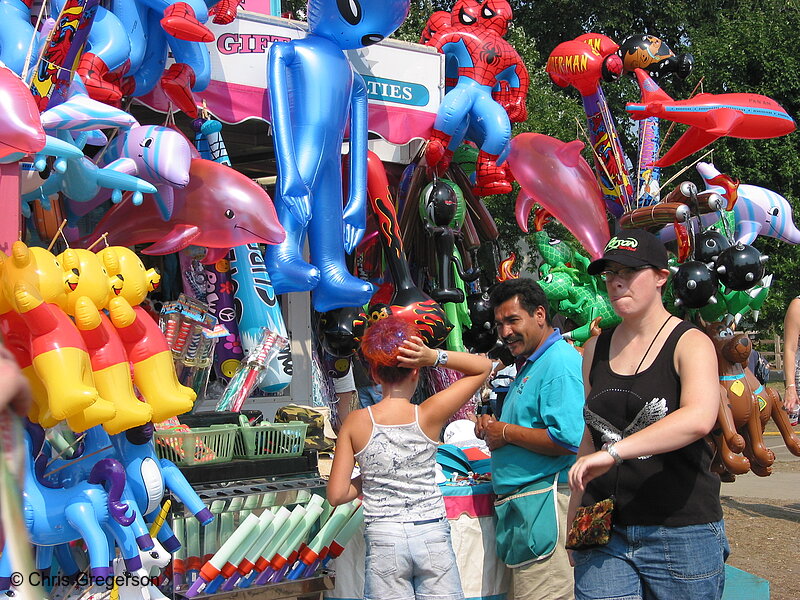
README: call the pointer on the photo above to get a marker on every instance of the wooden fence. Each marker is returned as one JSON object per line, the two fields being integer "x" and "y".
{"x": 770, "y": 348}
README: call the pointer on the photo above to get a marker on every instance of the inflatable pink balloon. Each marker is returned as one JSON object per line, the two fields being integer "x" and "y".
{"x": 20, "y": 128}
{"x": 220, "y": 208}
{"x": 553, "y": 174}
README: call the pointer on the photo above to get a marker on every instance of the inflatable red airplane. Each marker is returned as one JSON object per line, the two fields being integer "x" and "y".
{"x": 710, "y": 117}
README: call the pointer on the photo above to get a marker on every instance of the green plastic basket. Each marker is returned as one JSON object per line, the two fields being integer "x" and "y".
{"x": 199, "y": 446}
{"x": 271, "y": 440}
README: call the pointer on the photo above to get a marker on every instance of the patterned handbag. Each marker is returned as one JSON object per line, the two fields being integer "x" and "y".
{"x": 591, "y": 526}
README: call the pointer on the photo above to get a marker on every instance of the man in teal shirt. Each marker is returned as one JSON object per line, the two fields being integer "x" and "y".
{"x": 535, "y": 443}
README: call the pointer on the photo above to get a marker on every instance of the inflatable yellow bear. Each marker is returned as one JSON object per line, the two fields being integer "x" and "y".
{"x": 148, "y": 352}
{"x": 33, "y": 284}
{"x": 90, "y": 291}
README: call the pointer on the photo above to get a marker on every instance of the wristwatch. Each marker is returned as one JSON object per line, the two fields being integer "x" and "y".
{"x": 441, "y": 358}
{"x": 613, "y": 452}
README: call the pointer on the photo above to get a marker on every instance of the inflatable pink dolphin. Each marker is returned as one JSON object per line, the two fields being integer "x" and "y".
{"x": 219, "y": 208}
{"x": 554, "y": 174}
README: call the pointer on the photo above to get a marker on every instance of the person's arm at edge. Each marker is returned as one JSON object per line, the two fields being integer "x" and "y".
{"x": 344, "y": 388}
{"x": 576, "y": 497}
{"x": 586, "y": 448}
{"x": 15, "y": 391}
{"x": 341, "y": 488}
{"x": 696, "y": 363}
{"x": 587, "y": 445}
{"x": 791, "y": 331}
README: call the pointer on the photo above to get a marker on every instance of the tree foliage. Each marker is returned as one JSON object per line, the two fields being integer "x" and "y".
{"x": 738, "y": 46}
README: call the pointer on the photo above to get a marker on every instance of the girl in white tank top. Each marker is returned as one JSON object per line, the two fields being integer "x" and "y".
{"x": 408, "y": 537}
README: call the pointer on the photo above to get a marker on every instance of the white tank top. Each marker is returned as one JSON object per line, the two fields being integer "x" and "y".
{"x": 398, "y": 469}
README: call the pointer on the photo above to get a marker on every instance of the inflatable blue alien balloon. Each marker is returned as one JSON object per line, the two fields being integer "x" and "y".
{"x": 315, "y": 95}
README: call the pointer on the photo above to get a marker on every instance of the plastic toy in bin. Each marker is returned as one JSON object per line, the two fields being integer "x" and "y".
{"x": 270, "y": 440}
{"x": 247, "y": 376}
{"x": 191, "y": 331}
{"x": 198, "y": 446}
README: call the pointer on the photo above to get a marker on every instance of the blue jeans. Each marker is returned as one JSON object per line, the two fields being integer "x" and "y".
{"x": 369, "y": 395}
{"x": 655, "y": 563}
{"x": 410, "y": 562}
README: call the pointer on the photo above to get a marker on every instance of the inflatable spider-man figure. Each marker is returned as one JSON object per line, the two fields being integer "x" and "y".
{"x": 491, "y": 85}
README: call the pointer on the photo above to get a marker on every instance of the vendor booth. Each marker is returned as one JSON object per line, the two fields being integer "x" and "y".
{"x": 404, "y": 81}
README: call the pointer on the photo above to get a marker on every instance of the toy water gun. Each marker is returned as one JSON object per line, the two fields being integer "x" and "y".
{"x": 287, "y": 554}
{"x": 283, "y": 548}
{"x": 311, "y": 553}
{"x": 211, "y": 531}
{"x": 231, "y": 569}
{"x": 340, "y": 541}
{"x": 179, "y": 556}
{"x": 248, "y": 563}
{"x": 262, "y": 562}
{"x": 212, "y": 568}
{"x": 193, "y": 557}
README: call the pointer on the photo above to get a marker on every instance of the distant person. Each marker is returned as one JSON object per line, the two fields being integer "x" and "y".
{"x": 652, "y": 395}
{"x": 369, "y": 392}
{"x": 534, "y": 443}
{"x": 791, "y": 360}
{"x": 394, "y": 442}
{"x": 346, "y": 397}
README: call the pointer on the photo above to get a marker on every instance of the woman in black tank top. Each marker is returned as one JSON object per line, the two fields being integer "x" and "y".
{"x": 652, "y": 395}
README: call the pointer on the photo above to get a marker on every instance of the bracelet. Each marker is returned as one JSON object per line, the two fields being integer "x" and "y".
{"x": 613, "y": 452}
{"x": 504, "y": 432}
{"x": 791, "y": 385}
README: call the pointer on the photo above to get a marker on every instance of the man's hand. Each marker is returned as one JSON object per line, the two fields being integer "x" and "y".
{"x": 491, "y": 431}
{"x": 790, "y": 400}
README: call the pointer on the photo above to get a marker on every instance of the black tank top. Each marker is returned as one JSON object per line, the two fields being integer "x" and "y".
{"x": 672, "y": 489}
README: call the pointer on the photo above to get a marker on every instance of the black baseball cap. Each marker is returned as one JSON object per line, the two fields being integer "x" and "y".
{"x": 632, "y": 248}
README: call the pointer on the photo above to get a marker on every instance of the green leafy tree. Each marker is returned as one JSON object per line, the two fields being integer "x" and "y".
{"x": 738, "y": 46}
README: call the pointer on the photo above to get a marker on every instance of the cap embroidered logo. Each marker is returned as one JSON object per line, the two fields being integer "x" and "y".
{"x": 616, "y": 243}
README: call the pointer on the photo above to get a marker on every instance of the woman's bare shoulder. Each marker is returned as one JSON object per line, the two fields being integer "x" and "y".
{"x": 356, "y": 418}
{"x": 694, "y": 343}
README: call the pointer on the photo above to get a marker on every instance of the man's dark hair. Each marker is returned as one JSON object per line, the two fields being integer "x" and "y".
{"x": 530, "y": 294}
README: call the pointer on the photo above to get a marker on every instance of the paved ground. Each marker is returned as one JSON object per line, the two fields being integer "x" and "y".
{"x": 783, "y": 484}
